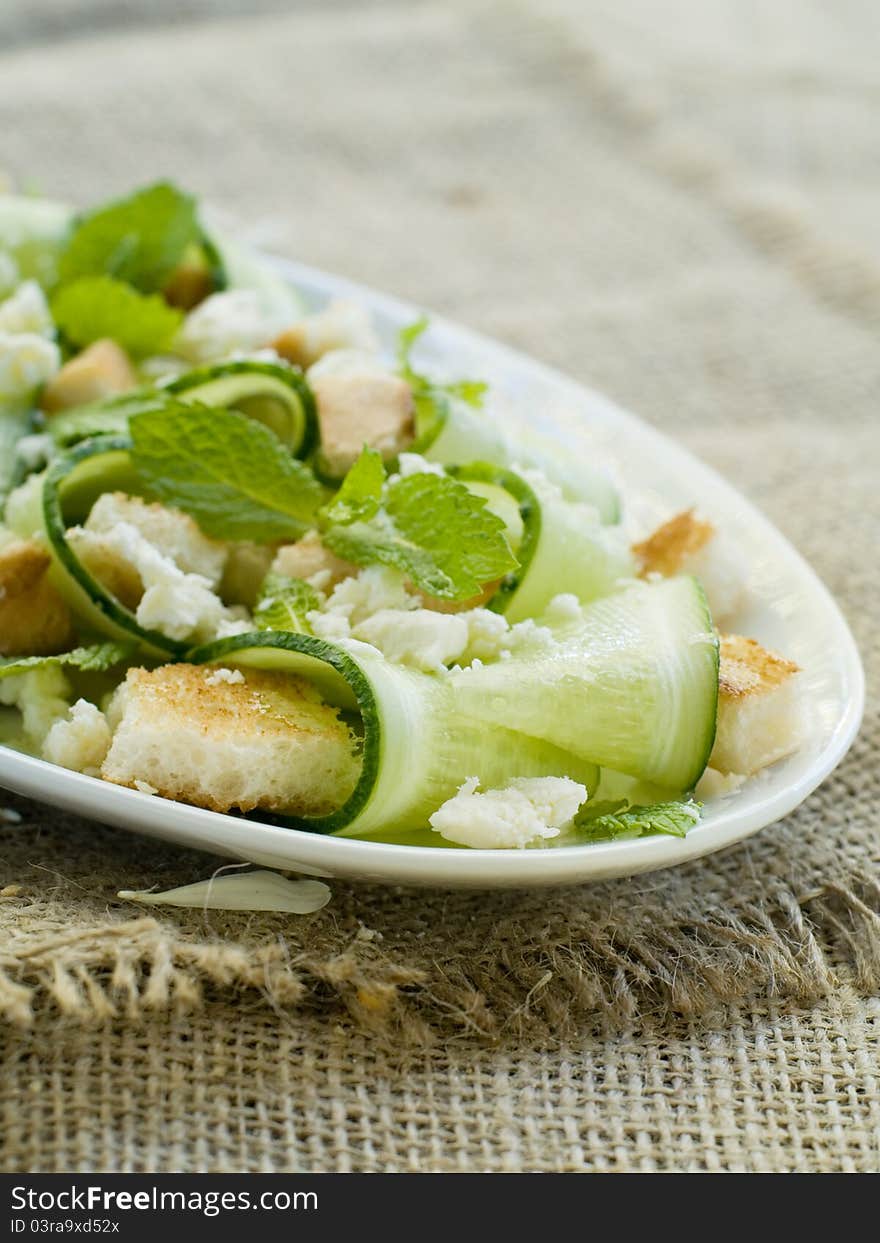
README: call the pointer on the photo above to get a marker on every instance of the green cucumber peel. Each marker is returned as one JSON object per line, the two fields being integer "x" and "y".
{"x": 419, "y": 745}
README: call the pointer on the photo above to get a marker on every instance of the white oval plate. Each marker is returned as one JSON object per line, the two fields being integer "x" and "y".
{"x": 789, "y": 609}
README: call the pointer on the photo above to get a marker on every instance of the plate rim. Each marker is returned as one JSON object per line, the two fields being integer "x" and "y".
{"x": 439, "y": 866}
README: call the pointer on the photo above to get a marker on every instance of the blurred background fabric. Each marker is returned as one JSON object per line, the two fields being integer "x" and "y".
{"x": 679, "y": 205}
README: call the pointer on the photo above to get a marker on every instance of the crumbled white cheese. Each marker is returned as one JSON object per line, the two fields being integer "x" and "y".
{"x": 27, "y": 311}
{"x": 374, "y": 588}
{"x": 414, "y": 464}
{"x": 180, "y": 605}
{"x": 42, "y": 697}
{"x": 529, "y": 809}
{"x": 562, "y": 609}
{"x": 79, "y": 741}
{"x": 419, "y": 637}
{"x": 229, "y": 676}
{"x": 239, "y": 320}
{"x": 175, "y": 534}
{"x": 27, "y": 361}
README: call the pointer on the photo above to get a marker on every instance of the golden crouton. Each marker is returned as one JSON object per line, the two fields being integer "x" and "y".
{"x": 666, "y": 549}
{"x": 760, "y": 716}
{"x": 688, "y": 545}
{"x": 188, "y": 285}
{"x": 102, "y": 370}
{"x": 309, "y": 559}
{"x": 34, "y": 620}
{"x": 223, "y": 739}
{"x": 354, "y": 410}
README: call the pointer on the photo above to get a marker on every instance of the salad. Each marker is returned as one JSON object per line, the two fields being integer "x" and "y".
{"x": 253, "y": 561}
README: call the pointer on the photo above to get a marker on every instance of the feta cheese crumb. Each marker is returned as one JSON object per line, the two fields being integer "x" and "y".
{"x": 27, "y": 361}
{"x": 419, "y": 637}
{"x": 27, "y": 311}
{"x": 79, "y": 741}
{"x": 528, "y": 810}
{"x": 236, "y": 321}
{"x": 229, "y": 676}
{"x": 178, "y": 604}
{"x": 414, "y": 464}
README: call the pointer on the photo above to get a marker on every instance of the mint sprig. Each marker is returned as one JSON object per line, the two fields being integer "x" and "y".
{"x": 360, "y": 496}
{"x": 139, "y": 239}
{"x": 442, "y": 536}
{"x": 230, "y": 473}
{"x": 605, "y": 821}
{"x": 283, "y": 602}
{"x": 94, "y": 659}
{"x": 94, "y": 307}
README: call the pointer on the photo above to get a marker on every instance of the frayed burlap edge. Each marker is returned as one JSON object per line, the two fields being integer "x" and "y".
{"x": 596, "y": 971}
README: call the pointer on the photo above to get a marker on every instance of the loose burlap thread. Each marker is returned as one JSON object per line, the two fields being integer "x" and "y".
{"x": 556, "y": 190}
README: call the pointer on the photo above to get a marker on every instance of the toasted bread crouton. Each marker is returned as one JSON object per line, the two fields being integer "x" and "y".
{"x": 344, "y": 325}
{"x": 309, "y": 559}
{"x": 354, "y": 410}
{"x": 689, "y": 545}
{"x": 102, "y": 370}
{"x": 760, "y": 716}
{"x": 220, "y": 740}
{"x": 666, "y": 549}
{"x": 34, "y": 620}
{"x": 188, "y": 285}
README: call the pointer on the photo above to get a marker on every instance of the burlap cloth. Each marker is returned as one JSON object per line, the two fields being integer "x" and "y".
{"x": 682, "y": 209}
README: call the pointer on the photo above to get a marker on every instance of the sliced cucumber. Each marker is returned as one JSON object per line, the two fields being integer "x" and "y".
{"x": 101, "y": 418}
{"x": 73, "y": 482}
{"x": 419, "y": 744}
{"x": 271, "y": 393}
{"x": 454, "y": 434}
{"x": 560, "y": 547}
{"x": 630, "y": 683}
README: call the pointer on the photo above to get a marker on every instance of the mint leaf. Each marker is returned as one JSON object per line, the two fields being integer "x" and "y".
{"x": 426, "y": 391}
{"x": 604, "y": 821}
{"x": 435, "y": 531}
{"x": 99, "y": 306}
{"x": 90, "y": 659}
{"x": 230, "y": 473}
{"x": 360, "y": 496}
{"x": 283, "y": 604}
{"x": 140, "y": 239}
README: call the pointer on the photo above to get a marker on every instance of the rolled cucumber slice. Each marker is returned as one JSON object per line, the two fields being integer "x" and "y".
{"x": 271, "y": 393}
{"x": 73, "y": 482}
{"x": 452, "y": 433}
{"x": 630, "y": 682}
{"x": 562, "y": 547}
{"x": 419, "y": 742}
